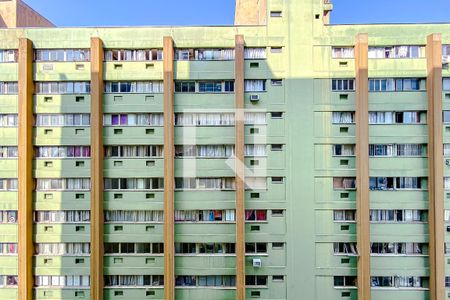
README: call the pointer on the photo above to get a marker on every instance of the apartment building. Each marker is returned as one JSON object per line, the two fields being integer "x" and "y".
{"x": 279, "y": 158}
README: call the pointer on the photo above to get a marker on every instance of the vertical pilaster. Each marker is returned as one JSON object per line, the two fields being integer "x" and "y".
{"x": 362, "y": 165}
{"x": 169, "y": 180}
{"x": 239, "y": 165}
{"x": 435, "y": 167}
{"x": 97, "y": 90}
{"x": 25, "y": 175}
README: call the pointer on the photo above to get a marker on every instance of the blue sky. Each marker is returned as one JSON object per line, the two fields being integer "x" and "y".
{"x": 221, "y": 12}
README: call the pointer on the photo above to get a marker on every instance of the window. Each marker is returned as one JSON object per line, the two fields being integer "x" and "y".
{"x": 135, "y": 151}
{"x": 255, "y": 53}
{"x": 345, "y": 281}
{"x": 276, "y": 49}
{"x": 344, "y": 150}
{"x": 397, "y": 52}
{"x": 391, "y": 84}
{"x": 255, "y": 183}
{"x": 134, "y": 248}
{"x": 255, "y": 248}
{"x": 395, "y": 183}
{"x": 214, "y": 54}
{"x": 62, "y": 120}
{"x": 134, "y": 87}
{"x": 226, "y": 183}
{"x": 344, "y": 215}
{"x": 134, "y": 184}
{"x": 185, "y": 86}
{"x": 391, "y": 150}
{"x": 398, "y": 281}
{"x": 133, "y": 280}
{"x": 8, "y": 216}
{"x": 204, "y": 151}
{"x": 255, "y": 85}
{"x": 8, "y": 184}
{"x": 397, "y": 248}
{"x": 9, "y": 88}
{"x": 398, "y": 215}
{"x": 343, "y": 117}
{"x": 255, "y": 150}
{"x": 210, "y": 86}
{"x": 61, "y": 55}
{"x": 446, "y": 116}
{"x": 62, "y": 249}
{"x": 205, "y": 248}
{"x": 255, "y": 280}
{"x": 63, "y": 152}
{"x": 7, "y": 56}
{"x": 342, "y": 52}
{"x": 9, "y": 120}
{"x": 204, "y": 119}
{"x": 134, "y": 55}
{"x": 68, "y": 184}
{"x": 445, "y": 84}
{"x": 276, "y": 14}
{"x": 227, "y": 215}
{"x": 8, "y": 248}
{"x": 62, "y": 281}
{"x": 276, "y": 82}
{"x": 342, "y": 85}
{"x": 62, "y": 216}
{"x": 344, "y": 183}
{"x": 256, "y": 215}
{"x": 343, "y": 248}
{"x": 63, "y": 87}
{"x": 151, "y": 119}
{"x": 8, "y": 280}
{"x": 405, "y": 117}
{"x": 206, "y": 281}
{"x": 135, "y": 216}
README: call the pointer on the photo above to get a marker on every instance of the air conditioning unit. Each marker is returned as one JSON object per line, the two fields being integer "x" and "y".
{"x": 257, "y": 263}
{"x": 254, "y": 97}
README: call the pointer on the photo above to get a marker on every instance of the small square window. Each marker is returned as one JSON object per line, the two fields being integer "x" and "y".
{"x": 254, "y": 195}
{"x": 277, "y": 246}
{"x": 254, "y": 65}
{"x": 254, "y": 130}
{"x": 277, "y": 82}
{"x": 277, "y": 212}
{"x": 277, "y": 147}
{"x": 278, "y": 278}
{"x": 276, "y": 115}
{"x": 276, "y": 49}
{"x": 276, "y": 14}
{"x": 277, "y": 179}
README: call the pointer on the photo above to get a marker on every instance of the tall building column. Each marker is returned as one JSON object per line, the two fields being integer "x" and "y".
{"x": 97, "y": 89}
{"x": 239, "y": 167}
{"x": 169, "y": 180}
{"x": 362, "y": 165}
{"x": 435, "y": 167}
{"x": 25, "y": 175}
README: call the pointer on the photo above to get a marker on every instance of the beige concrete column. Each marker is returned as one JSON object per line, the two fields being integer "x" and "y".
{"x": 435, "y": 167}
{"x": 25, "y": 170}
{"x": 169, "y": 167}
{"x": 362, "y": 165}
{"x": 97, "y": 89}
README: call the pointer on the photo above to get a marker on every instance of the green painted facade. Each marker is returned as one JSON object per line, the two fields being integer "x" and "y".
{"x": 306, "y": 196}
